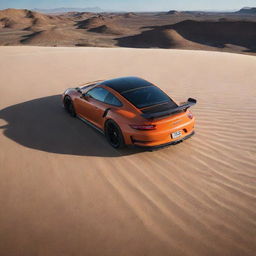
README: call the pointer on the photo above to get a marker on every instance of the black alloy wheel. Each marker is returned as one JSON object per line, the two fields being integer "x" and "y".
{"x": 69, "y": 106}
{"x": 114, "y": 134}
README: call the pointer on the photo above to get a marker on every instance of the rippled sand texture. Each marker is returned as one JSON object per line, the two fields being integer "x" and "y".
{"x": 65, "y": 191}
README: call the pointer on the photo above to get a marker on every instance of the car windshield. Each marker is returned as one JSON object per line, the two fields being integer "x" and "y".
{"x": 146, "y": 96}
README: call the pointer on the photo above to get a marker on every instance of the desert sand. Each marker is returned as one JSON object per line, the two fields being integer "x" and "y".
{"x": 65, "y": 191}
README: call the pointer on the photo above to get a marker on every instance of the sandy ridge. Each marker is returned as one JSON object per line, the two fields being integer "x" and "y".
{"x": 66, "y": 191}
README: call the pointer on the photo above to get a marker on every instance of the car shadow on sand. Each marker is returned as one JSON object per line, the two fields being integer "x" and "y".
{"x": 44, "y": 125}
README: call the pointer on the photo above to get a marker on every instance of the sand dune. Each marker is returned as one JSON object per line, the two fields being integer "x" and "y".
{"x": 218, "y": 34}
{"x": 65, "y": 191}
{"x": 108, "y": 29}
{"x": 12, "y": 18}
{"x": 26, "y": 19}
{"x": 129, "y": 15}
{"x": 196, "y": 34}
{"x": 102, "y": 24}
{"x": 93, "y": 22}
{"x": 157, "y": 38}
{"x": 53, "y": 37}
{"x": 78, "y": 15}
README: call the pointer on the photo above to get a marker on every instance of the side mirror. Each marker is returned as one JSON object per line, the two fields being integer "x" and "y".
{"x": 85, "y": 96}
{"x": 79, "y": 90}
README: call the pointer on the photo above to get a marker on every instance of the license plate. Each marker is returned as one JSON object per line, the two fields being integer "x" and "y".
{"x": 176, "y": 134}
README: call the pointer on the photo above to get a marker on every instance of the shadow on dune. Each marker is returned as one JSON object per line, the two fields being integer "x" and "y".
{"x": 27, "y": 38}
{"x": 43, "y": 124}
{"x": 209, "y": 33}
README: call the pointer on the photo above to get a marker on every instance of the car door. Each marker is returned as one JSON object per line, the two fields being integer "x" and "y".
{"x": 91, "y": 106}
{"x": 110, "y": 102}
{"x": 94, "y": 103}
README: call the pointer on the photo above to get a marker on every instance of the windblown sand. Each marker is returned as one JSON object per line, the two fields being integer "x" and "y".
{"x": 65, "y": 191}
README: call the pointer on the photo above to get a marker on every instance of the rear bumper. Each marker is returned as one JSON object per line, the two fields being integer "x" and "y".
{"x": 167, "y": 144}
{"x": 161, "y": 136}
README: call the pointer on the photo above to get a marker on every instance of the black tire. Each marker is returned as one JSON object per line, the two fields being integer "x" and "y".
{"x": 68, "y": 104}
{"x": 114, "y": 134}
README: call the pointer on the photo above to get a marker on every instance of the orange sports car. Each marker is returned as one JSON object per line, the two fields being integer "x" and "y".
{"x": 131, "y": 111}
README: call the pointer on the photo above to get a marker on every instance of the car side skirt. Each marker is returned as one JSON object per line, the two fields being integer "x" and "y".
{"x": 90, "y": 124}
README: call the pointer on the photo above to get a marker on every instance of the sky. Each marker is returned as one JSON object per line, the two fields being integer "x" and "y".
{"x": 132, "y": 5}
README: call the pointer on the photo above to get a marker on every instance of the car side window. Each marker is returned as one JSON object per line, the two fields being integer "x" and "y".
{"x": 112, "y": 100}
{"x": 98, "y": 93}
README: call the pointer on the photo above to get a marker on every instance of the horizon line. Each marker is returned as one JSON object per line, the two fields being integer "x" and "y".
{"x": 104, "y": 10}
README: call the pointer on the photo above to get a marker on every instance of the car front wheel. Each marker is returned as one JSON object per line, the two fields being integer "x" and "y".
{"x": 68, "y": 104}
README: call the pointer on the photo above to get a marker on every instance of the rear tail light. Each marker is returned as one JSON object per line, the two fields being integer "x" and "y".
{"x": 190, "y": 115}
{"x": 143, "y": 127}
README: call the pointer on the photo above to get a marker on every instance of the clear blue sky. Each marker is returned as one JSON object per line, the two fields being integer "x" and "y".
{"x": 132, "y": 5}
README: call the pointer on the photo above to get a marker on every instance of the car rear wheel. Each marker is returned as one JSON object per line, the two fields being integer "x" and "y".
{"x": 68, "y": 104}
{"x": 114, "y": 134}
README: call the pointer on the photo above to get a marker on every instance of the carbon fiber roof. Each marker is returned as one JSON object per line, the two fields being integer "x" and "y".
{"x": 124, "y": 84}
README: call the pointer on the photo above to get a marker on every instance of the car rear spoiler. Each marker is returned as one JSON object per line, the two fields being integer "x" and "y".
{"x": 172, "y": 111}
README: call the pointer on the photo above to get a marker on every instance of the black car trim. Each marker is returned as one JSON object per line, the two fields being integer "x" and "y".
{"x": 166, "y": 144}
{"x": 171, "y": 111}
{"x": 90, "y": 124}
{"x": 106, "y": 112}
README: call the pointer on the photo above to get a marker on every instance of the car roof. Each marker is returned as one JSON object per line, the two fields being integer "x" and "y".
{"x": 124, "y": 84}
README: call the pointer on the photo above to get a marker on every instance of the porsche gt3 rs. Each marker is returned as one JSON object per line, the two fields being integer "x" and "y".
{"x": 131, "y": 111}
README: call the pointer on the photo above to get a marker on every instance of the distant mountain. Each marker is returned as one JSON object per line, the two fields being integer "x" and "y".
{"x": 247, "y": 10}
{"x": 66, "y": 9}
{"x": 173, "y": 12}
